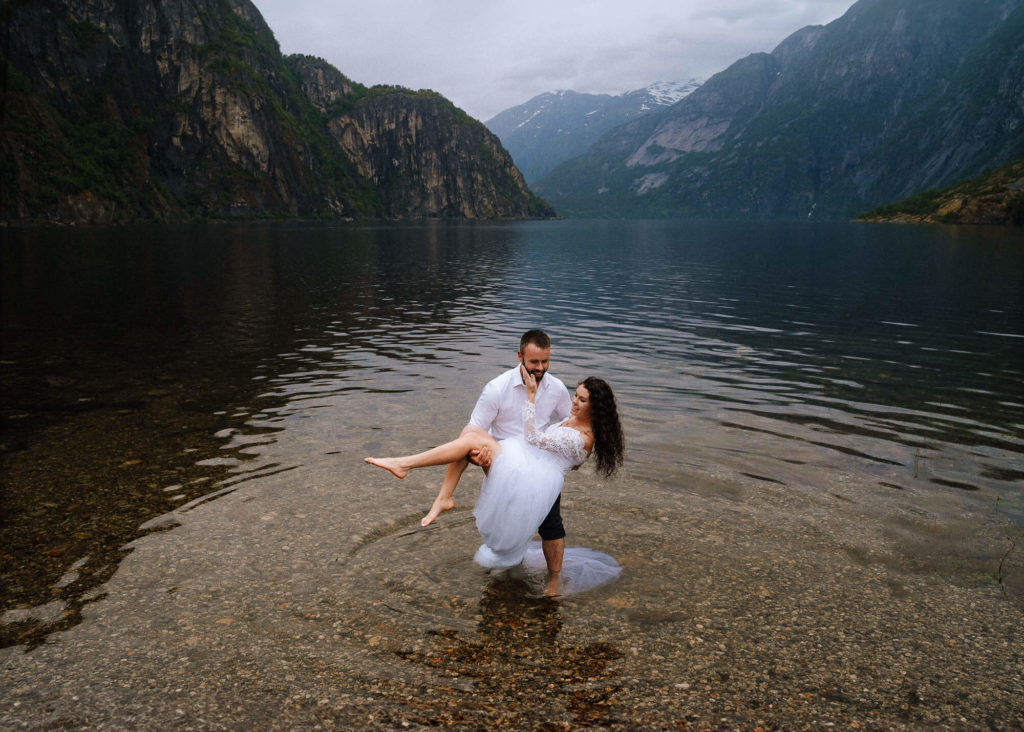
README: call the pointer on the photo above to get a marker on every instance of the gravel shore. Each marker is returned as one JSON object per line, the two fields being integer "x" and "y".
{"x": 292, "y": 603}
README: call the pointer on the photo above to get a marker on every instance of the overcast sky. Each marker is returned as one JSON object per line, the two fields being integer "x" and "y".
{"x": 489, "y": 55}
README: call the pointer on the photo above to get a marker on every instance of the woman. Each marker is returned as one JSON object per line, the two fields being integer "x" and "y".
{"x": 527, "y": 473}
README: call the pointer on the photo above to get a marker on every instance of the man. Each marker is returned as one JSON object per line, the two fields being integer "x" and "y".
{"x": 499, "y": 410}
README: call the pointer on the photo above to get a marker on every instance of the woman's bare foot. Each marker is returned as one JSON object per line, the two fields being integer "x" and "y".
{"x": 440, "y": 504}
{"x": 388, "y": 464}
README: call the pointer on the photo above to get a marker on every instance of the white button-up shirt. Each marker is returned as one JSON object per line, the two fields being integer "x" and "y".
{"x": 499, "y": 410}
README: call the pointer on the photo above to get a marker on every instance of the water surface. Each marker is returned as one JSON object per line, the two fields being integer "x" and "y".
{"x": 150, "y": 368}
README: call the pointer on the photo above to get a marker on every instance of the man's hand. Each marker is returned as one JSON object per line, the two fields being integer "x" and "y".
{"x": 481, "y": 457}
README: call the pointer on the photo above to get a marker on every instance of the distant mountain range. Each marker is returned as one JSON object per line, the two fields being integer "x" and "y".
{"x": 164, "y": 110}
{"x": 556, "y": 126}
{"x": 893, "y": 98}
{"x": 170, "y": 110}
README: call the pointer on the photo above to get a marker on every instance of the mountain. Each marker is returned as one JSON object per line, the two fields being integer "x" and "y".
{"x": 894, "y": 97}
{"x": 995, "y": 197}
{"x": 129, "y": 110}
{"x": 557, "y": 126}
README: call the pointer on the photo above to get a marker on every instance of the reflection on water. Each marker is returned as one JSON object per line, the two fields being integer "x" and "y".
{"x": 148, "y": 368}
{"x": 137, "y": 362}
{"x": 518, "y": 665}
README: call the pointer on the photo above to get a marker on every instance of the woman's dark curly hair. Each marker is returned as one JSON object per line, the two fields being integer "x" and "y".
{"x": 609, "y": 444}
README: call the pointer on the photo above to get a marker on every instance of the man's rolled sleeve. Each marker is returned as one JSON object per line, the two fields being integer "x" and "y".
{"x": 486, "y": 408}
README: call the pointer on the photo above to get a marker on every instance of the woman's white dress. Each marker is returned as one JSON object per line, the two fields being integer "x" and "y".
{"x": 519, "y": 490}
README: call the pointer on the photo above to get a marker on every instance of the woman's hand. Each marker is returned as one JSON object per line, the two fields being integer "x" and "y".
{"x": 530, "y": 382}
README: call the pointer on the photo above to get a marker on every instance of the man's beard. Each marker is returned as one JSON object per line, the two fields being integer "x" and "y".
{"x": 536, "y": 375}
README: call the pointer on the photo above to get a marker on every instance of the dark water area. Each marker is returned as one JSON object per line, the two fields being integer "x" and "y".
{"x": 147, "y": 369}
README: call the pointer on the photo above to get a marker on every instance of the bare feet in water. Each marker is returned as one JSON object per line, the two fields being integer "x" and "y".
{"x": 395, "y": 467}
{"x": 388, "y": 464}
{"x": 440, "y": 505}
{"x": 551, "y": 588}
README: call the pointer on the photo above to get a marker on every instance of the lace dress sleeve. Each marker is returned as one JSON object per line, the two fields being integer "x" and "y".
{"x": 565, "y": 442}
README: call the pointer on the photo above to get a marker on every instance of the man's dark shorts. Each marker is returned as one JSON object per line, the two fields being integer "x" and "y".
{"x": 551, "y": 527}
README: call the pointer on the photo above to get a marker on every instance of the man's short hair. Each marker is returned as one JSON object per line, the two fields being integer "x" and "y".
{"x": 537, "y": 337}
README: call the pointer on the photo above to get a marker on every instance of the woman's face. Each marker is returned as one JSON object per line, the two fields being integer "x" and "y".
{"x": 581, "y": 402}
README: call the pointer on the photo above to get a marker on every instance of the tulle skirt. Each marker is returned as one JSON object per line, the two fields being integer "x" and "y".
{"x": 518, "y": 492}
{"x": 582, "y": 569}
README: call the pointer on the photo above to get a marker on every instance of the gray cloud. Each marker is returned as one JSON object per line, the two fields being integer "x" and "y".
{"x": 488, "y": 55}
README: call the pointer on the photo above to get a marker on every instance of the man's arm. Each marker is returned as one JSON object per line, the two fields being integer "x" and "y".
{"x": 486, "y": 408}
{"x": 483, "y": 415}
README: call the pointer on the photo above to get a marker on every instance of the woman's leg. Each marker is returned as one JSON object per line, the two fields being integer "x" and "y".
{"x": 444, "y": 501}
{"x": 449, "y": 452}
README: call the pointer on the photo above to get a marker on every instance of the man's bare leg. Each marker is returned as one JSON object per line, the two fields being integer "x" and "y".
{"x": 444, "y": 501}
{"x": 554, "y": 550}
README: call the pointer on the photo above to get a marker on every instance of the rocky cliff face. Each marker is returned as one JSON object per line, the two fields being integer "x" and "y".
{"x": 117, "y": 110}
{"x": 422, "y": 155}
{"x": 895, "y": 97}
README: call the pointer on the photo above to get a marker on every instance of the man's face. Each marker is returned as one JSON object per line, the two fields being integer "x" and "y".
{"x": 535, "y": 360}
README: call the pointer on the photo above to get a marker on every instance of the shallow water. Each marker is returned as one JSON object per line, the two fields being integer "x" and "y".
{"x": 801, "y": 402}
{"x": 147, "y": 367}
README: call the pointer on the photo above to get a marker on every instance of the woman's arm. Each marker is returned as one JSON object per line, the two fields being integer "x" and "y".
{"x": 571, "y": 445}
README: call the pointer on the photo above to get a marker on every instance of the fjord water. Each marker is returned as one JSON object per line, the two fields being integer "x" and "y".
{"x": 150, "y": 368}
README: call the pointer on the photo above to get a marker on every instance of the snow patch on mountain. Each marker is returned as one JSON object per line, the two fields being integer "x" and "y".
{"x": 558, "y": 125}
{"x": 667, "y": 93}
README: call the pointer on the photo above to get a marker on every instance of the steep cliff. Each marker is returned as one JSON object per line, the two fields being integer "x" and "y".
{"x": 118, "y": 110}
{"x": 895, "y": 97}
{"x": 422, "y": 155}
